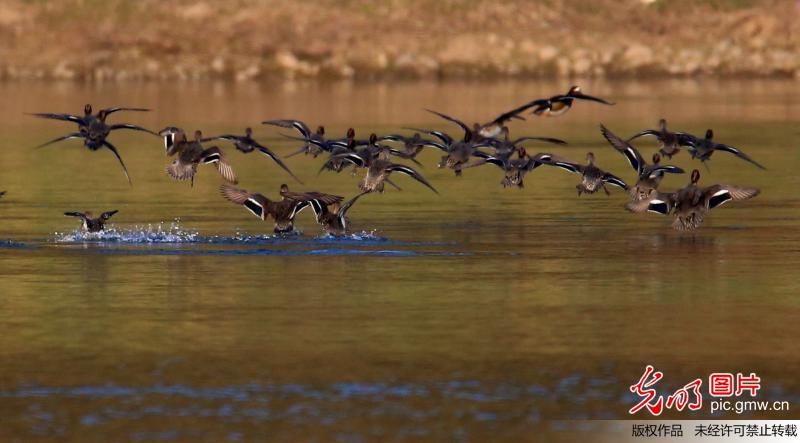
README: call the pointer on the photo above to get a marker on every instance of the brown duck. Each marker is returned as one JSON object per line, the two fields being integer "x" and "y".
{"x": 191, "y": 154}
{"x": 282, "y": 211}
{"x": 691, "y": 203}
{"x": 378, "y": 170}
{"x": 650, "y": 176}
{"x": 592, "y": 178}
{"x": 333, "y": 218}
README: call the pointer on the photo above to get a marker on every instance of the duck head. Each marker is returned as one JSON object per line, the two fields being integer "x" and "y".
{"x": 284, "y": 187}
{"x": 87, "y": 109}
{"x": 662, "y": 124}
{"x": 521, "y": 152}
{"x": 172, "y": 136}
{"x": 656, "y": 158}
{"x": 709, "y": 134}
{"x": 373, "y": 139}
{"x": 695, "y": 176}
{"x": 351, "y": 133}
{"x": 198, "y": 134}
{"x": 590, "y": 157}
{"x": 102, "y": 115}
{"x": 248, "y": 132}
{"x": 575, "y": 90}
{"x": 320, "y": 130}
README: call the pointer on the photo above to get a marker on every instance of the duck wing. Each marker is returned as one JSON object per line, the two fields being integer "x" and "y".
{"x": 301, "y": 127}
{"x": 403, "y": 169}
{"x": 467, "y": 130}
{"x": 718, "y": 195}
{"x": 443, "y": 136}
{"x": 629, "y": 151}
{"x": 121, "y": 108}
{"x": 556, "y": 141}
{"x": 62, "y": 138}
{"x": 122, "y": 163}
{"x": 645, "y": 133}
{"x": 132, "y": 127}
{"x": 736, "y": 152}
{"x": 253, "y": 202}
{"x": 63, "y": 117}
{"x": 612, "y": 179}
{"x": 559, "y": 162}
{"x": 266, "y": 151}
{"x": 662, "y": 203}
{"x": 217, "y": 157}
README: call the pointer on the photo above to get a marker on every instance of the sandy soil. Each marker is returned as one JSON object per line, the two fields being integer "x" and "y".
{"x": 251, "y": 39}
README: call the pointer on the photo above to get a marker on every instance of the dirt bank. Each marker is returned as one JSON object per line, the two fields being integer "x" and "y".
{"x": 251, "y": 39}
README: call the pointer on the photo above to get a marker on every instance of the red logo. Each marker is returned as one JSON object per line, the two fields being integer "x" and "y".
{"x": 720, "y": 384}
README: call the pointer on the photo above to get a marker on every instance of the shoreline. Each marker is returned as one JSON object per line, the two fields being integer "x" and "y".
{"x": 404, "y": 39}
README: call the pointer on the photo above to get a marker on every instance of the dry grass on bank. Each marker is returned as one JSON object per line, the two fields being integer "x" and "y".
{"x": 246, "y": 39}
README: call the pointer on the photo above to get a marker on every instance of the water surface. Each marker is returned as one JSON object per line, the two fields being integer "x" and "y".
{"x": 480, "y": 313}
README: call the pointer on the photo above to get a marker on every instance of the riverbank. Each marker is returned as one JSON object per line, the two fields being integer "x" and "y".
{"x": 255, "y": 39}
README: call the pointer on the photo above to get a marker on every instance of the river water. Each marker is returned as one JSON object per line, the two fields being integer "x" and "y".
{"x": 478, "y": 314}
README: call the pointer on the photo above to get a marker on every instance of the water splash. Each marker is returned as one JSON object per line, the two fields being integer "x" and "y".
{"x": 160, "y": 233}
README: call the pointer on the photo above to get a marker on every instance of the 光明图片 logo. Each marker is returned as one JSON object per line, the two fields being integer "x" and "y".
{"x": 721, "y": 386}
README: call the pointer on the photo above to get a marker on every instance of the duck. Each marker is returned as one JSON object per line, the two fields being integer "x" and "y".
{"x": 379, "y": 168}
{"x": 87, "y": 117}
{"x": 506, "y": 146}
{"x": 592, "y": 178}
{"x": 649, "y": 176}
{"x": 560, "y": 104}
{"x": 334, "y": 219}
{"x": 489, "y": 129}
{"x": 94, "y": 131}
{"x": 412, "y": 146}
{"x": 691, "y": 203}
{"x": 309, "y": 148}
{"x": 458, "y": 154}
{"x": 702, "y": 148}
{"x": 515, "y": 169}
{"x": 670, "y": 142}
{"x": 190, "y": 154}
{"x": 90, "y": 223}
{"x": 246, "y": 144}
{"x": 282, "y": 211}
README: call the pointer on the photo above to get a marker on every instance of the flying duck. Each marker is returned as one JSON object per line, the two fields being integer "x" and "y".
{"x": 282, "y": 211}
{"x": 246, "y": 144}
{"x": 650, "y": 176}
{"x": 190, "y": 154}
{"x": 90, "y": 223}
{"x": 592, "y": 178}
{"x": 691, "y": 203}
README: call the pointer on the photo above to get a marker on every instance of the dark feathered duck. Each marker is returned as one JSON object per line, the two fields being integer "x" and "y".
{"x": 379, "y": 168}
{"x": 691, "y": 203}
{"x": 559, "y": 104}
{"x": 703, "y": 148}
{"x": 333, "y": 218}
{"x": 282, "y": 211}
{"x": 90, "y": 223}
{"x": 246, "y": 144}
{"x": 670, "y": 142}
{"x": 94, "y": 131}
{"x": 190, "y": 154}
{"x": 592, "y": 178}
{"x": 649, "y": 175}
